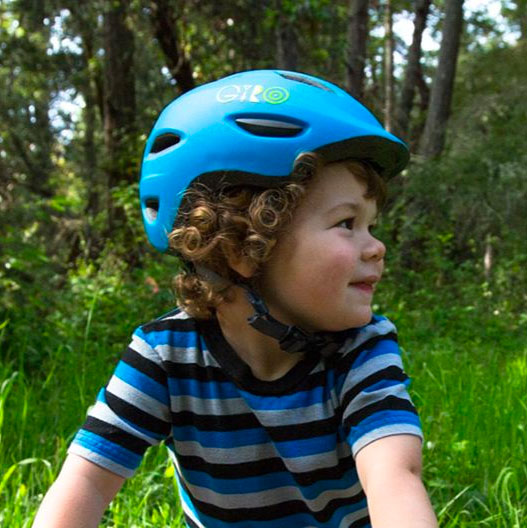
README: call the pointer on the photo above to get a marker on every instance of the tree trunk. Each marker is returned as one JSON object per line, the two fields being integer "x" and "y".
{"x": 388, "y": 66}
{"x": 356, "y": 51}
{"x": 286, "y": 44}
{"x": 433, "y": 139}
{"x": 521, "y": 16}
{"x": 165, "y": 30}
{"x": 119, "y": 101}
{"x": 413, "y": 73}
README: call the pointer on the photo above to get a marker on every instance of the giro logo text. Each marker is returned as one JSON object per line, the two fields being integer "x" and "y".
{"x": 253, "y": 93}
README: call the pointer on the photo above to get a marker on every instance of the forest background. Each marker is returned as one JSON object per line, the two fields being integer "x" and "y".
{"x": 80, "y": 86}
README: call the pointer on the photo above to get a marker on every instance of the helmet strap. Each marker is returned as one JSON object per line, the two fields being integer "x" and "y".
{"x": 291, "y": 339}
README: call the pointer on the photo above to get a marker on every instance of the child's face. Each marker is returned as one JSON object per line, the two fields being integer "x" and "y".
{"x": 323, "y": 271}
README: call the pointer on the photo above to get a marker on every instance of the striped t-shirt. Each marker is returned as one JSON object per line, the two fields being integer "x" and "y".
{"x": 251, "y": 453}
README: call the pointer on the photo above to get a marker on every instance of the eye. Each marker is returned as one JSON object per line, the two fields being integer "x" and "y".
{"x": 372, "y": 228}
{"x": 347, "y": 223}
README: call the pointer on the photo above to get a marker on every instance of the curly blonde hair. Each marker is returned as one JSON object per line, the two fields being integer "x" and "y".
{"x": 244, "y": 221}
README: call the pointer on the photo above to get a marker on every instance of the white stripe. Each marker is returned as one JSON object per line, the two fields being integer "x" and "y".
{"x": 142, "y": 401}
{"x": 258, "y": 453}
{"x": 352, "y": 517}
{"x": 100, "y": 460}
{"x": 179, "y": 315}
{"x": 209, "y": 406}
{"x": 144, "y": 349}
{"x": 271, "y": 497}
{"x": 383, "y": 432}
{"x": 367, "y": 398}
{"x": 285, "y": 417}
{"x": 369, "y": 367}
{"x": 214, "y": 455}
{"x": 186, "y": 355}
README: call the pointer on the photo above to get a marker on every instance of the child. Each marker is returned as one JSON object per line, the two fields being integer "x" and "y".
{"x": 281, "y": 397}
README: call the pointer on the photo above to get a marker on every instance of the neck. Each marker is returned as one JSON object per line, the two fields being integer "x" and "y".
{"x": 262, "y": 353}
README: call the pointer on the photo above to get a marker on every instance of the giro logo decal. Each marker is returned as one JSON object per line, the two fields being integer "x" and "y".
{"x": 253, "y": 93}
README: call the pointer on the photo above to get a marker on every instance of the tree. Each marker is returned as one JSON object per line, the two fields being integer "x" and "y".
{"x": 166, "y": 33}
{"x": 357, "y": 36}
{"x": 432, "y": 141}
{"x": 388, "y": 66}
{"x": 517, "y": 14}
{"x": 119, "y": 102}
{"x": 413, "y": 73}
{"x": 286, "y": 39}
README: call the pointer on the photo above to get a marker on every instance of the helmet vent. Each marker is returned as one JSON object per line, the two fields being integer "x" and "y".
{"x": 163, "y": 142}
{"x": 151, "y": 208}
{"x": 269, "y": 127}
{"x": 305, "y": 80}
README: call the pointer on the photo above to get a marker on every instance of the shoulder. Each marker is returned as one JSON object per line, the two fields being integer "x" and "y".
{"x": 175, "y": 328}
{"x": 377, "y": 338}
{"x": 176, "y": 319}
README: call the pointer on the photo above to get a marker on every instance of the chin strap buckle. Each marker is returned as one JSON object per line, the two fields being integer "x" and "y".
{"x": 292, "y": 339}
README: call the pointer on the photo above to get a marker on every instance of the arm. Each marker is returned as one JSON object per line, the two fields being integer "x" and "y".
{"x": 390, "y": 472}
{"x": 79, "y": 496}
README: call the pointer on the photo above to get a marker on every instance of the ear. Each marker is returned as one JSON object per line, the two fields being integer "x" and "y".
{"x": 241, "y": 265}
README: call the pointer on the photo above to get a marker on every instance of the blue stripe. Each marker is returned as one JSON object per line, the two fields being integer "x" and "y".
{"x": 387, "y": 346}
{"x": 173, "y": 338}
{"x": 207, "y": 390}
{"x": 297, "y": 400}
{"x": 220, "y": 439}
{"x": 383, "y": 419}
{"x": 141, "y": 382}
{"x": 102, "y": 446}
{"x": 384, "y": 384}
{"x": 307, "y": 446}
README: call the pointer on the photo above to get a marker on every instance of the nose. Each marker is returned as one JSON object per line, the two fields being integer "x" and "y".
{"x": 374, "y": 249}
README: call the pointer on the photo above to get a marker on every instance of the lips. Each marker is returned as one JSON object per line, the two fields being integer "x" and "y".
{"x": 363, "y": 286}
{"x": 367, "y": 284}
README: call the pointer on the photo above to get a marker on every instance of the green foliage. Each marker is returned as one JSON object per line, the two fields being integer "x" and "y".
{"x": 469, "y": 366}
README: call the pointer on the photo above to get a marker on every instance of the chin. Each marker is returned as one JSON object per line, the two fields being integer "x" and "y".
{"x": 355, "y": 321}
{"x": 361, "y": 319}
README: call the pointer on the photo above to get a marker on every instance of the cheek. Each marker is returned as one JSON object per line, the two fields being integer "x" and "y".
{"x": 326, "y": 272}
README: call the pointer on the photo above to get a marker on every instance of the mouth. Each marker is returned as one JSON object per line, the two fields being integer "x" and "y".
{"x": 366, "y": 285}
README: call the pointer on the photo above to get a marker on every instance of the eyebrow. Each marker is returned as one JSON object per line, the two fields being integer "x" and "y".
{"x": 349, "y": 205}
{"x": 354, "y": 207}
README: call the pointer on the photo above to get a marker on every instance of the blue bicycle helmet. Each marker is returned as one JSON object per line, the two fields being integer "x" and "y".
{"x": 249, "y": 128}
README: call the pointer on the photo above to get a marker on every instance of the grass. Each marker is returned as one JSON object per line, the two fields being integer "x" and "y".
{"x": 468, "y": 364}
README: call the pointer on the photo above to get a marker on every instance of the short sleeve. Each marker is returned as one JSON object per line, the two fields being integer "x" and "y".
{"x": 130, "y": 414}
{"x": 374, "y": 395}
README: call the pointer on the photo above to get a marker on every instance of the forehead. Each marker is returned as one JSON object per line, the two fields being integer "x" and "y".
{"x": 335, "y": 183}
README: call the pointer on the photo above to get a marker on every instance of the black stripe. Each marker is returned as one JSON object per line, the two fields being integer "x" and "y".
{"x": 390, "y": 403}
{"x": 176, "y": 325}
{"x": 346, "y": 362}
{"x": 115, "y": 435}
{"x": 145, "y": 366}
{"x": 391, "y": 373}
{"x": 210, "y": 422}
{"x": 233, "y": 471}
{"x": 265, "y": 467}
{"x": 238, "y": 422}
{"x": 195, "y": 372}
{"x": 301, "y": 431}
{"x": 276, "y": 511}
{"x": 136, "y": 416}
